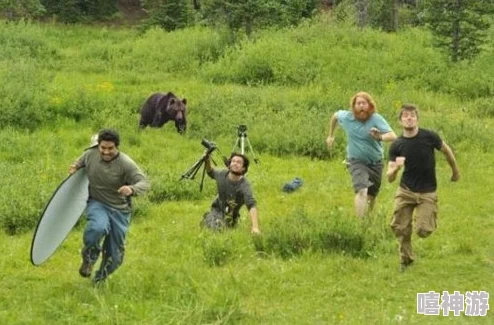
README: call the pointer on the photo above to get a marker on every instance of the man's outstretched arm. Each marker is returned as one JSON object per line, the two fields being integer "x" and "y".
{"x": 450, "y": 157}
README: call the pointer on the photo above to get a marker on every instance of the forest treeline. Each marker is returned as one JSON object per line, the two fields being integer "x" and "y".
{"x": 460, "y": 26}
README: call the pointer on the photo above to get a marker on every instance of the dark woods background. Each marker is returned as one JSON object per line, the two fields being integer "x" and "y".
{"x": 458, "y": 25}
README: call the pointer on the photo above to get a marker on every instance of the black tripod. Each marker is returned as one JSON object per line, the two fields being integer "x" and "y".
{"x": 192, "y": 171}
{"x": 241, "y": 140}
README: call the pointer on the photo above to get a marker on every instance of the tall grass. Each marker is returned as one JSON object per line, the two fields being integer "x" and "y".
{"x": 274, "y": 84}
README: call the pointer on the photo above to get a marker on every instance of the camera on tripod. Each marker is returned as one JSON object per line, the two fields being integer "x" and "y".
{"x": 242, "y": 130}
{"x": 209, "y": 145}
{"x": 191, "y": 172}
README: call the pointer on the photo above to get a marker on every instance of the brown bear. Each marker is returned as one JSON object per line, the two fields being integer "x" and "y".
{"x": 160, "y": 108}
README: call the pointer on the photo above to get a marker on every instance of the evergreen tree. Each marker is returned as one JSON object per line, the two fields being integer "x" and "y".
{"x": 251, "y": 14}
{"x": 72, "y": 11}
{"x": 383, "y": 14}
{"x": 169, "y": 14}
{"x": 15, "y": 9}
{"x": 459, "y": 26}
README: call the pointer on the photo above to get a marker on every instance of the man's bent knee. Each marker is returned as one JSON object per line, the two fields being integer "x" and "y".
{"x": 400, "y": 231}
{"x": 213, "y": 220}
{"x": 94, "y": 233}
{"x": 423, "y": 233}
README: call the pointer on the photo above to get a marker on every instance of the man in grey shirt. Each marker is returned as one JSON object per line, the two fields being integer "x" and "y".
{"x": 113, "y": 178}
{"x": 233, "y": 192}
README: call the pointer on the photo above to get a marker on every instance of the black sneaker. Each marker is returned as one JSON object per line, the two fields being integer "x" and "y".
{"x": 85, "y": 269}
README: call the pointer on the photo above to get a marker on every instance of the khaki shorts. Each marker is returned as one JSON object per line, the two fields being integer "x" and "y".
{"x": 365, "y": 176}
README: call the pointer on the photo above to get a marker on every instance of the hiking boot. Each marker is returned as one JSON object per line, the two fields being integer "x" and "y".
{"x": 85, "y": 269}
{"x": 99, "y": 278}
{"x": 404, "y": 265}
{"x": 97, "y": 281}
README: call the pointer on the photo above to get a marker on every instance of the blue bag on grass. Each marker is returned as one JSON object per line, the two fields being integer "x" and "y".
{"x": 293, "y": 185}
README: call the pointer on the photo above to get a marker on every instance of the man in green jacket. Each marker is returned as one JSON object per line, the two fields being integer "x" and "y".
{"x": 113, "y": 179}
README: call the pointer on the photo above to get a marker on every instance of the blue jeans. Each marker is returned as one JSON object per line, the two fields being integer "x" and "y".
{"x": 110, "y": 225}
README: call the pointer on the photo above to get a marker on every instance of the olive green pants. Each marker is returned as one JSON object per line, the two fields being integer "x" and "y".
{"x": 425, "y": 206}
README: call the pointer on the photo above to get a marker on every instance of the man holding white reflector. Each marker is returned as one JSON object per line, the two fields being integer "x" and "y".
{"x": 113, "y": 178}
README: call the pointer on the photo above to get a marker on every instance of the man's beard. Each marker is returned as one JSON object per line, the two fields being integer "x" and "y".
{"x": 363, "y": 115}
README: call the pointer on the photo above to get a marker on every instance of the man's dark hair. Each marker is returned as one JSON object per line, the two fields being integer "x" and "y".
{"x": 408, "y": 108}
{"x": 109, "y": 135}
{"x": 244, "y": 158}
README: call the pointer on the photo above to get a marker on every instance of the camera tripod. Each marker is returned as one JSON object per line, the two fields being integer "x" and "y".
{"x": 241, "y": 140}
{"x": 192, "y": 171}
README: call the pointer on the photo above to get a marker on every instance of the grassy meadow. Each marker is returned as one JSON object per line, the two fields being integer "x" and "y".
{"x": 315, "y": 263}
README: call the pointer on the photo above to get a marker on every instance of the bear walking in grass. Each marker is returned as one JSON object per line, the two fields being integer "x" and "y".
{"x": 160, "y": 108}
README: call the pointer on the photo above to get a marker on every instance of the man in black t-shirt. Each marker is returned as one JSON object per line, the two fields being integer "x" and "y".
{"x": 414, "y": 150}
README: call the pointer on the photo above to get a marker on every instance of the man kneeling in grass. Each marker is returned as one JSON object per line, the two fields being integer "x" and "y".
{"x": 233, "y": 192}
{"x": 414, "y": 150}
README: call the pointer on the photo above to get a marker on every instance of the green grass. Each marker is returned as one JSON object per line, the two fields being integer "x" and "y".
{"x": 175, "y": 273}
{"x": 315, "y": 263}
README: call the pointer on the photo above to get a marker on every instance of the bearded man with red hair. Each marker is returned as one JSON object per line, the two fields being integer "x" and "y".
{"x": 365, "y": 131}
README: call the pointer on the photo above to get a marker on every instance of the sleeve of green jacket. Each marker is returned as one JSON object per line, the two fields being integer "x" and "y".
{"x": 136, "y": 179}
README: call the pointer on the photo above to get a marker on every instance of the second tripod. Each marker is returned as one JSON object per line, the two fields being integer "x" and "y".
{"x": 242, "y": 140}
